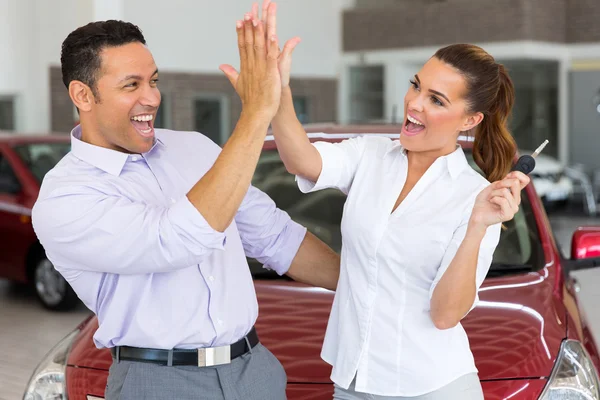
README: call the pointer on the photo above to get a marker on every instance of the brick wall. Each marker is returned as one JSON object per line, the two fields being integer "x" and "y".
{"x": 547, "y": 20}
{"x": 392, "y": 24}
{"x": 584, "y": 21}
{"x": 61, "y": 108}
{"x": 180, "y": 90}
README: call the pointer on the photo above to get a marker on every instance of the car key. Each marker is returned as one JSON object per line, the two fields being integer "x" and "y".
{"x": 526, "y": 163}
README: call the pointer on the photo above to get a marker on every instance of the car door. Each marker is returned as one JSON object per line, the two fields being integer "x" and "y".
{"x": 15, "y": 221}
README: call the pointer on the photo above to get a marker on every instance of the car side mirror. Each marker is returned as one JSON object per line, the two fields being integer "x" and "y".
{"x": 585, "y": 248}
{"x": 9, "y": 184}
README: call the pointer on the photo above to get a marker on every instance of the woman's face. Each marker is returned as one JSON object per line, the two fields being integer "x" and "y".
{"x": 435, "y": 110}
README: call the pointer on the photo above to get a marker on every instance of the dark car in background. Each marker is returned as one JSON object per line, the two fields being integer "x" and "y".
{"x": 527, "y": 333}
{"x": 24, "y": 160}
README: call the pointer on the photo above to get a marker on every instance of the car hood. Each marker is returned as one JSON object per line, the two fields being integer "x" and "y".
{"x": 517, "y": 327}
{"x": 514, "y": 332}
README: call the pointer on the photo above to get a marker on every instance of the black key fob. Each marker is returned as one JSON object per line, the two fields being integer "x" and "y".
{"x": 525, "y": 164}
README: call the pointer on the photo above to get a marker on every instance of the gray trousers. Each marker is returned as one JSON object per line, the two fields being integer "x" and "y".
{"x": 256, "y": 375}
{"x": 466, "y": 387}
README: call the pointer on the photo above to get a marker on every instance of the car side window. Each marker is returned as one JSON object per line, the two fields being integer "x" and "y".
{"x": 283, "y": 190}
{"x": 519, "y": 239}
{"x": 42, "y": 157}
{"x": 9, "y": 183}
{"x": 320, "y": 212}
{"x": 326, "y": 206}
{"x": 515, "y": 241}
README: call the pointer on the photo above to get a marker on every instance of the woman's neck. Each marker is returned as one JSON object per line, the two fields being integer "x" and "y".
{"x": 420, "y": 161}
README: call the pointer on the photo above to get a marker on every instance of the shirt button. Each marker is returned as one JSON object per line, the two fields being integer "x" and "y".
{"x": 173, "y": 201}
{"x": 220, "y": 321}
{"x": 134, "y": 158}
{"x": 211, "y": 278}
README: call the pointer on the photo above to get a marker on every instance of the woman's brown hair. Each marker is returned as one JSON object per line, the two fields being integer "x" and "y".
{"x": 491, "y": 92}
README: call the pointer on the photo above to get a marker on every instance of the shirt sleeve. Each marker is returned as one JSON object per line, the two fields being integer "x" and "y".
{"x": 484, "y": 261}
{"x": 84, "y": 229}
{"x": 340, "y": 162}
{"x": 268, "y": 233}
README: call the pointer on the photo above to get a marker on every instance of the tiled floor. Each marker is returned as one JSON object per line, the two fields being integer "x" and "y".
{"x": 27, "y": 331}
{"x": 564, "y": 225}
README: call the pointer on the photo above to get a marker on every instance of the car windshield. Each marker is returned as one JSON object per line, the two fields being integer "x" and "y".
{"x": 320, "y": 212}
{"x": 41, "y": 157}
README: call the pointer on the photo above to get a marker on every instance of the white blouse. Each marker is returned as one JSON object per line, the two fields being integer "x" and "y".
{"x": 380, "y": 330}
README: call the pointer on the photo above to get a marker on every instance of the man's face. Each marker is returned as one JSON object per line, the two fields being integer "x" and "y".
{"x": 122, "y": 118}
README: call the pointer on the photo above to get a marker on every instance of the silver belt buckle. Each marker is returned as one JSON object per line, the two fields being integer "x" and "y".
{"x": 212, "y": 356}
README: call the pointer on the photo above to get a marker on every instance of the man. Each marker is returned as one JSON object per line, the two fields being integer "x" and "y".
{"x": 151, "y": 227}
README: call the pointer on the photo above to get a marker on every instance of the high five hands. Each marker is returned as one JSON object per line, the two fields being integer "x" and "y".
{"x": 259, "y": 52}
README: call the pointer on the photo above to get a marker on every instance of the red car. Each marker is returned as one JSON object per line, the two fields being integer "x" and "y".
{"x": 528, "y": 335}
{"x": 24, "y": 160}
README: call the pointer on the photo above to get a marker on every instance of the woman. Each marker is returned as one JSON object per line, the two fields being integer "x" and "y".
{"x": 419, "y": 227}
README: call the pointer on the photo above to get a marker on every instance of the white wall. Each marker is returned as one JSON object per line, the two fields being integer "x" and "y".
{"x": 346, "y": 4}
{"x": 109, "y": 9}
{"x": 55, "y": 20}
{"x": 15, "y": 55}
{"x": 198, "y": 36}
{"x": 397, "y": 83}
{"x": 31, "y": 33}
{"x": 184, "y": 36}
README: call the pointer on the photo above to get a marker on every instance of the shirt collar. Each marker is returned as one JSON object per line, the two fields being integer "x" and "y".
{"x": 110, "y": 161}
{"x": 455, "y": 162}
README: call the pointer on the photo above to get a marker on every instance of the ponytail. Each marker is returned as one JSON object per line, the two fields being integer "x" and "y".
{"x": 494, "y": 148}
{"x": 491, "y": 92}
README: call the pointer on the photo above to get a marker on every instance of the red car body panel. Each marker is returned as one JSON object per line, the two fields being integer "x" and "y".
{"x": 584, "y": 243}
{"x": 521, "y": 389}
{"x": 515, "y": 332}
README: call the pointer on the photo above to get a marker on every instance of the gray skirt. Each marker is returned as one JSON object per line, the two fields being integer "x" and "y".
{"x": 467, "y": 387}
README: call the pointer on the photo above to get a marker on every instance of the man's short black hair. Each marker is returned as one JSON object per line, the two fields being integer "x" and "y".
{"x": 80, "y": 55}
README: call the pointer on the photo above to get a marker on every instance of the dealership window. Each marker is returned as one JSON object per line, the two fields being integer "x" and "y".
{"x": 163, "y": 114}
{"x": 9, "y": 183}
{"x": 366, "y": 94}
{"x": 301, "y": 108}
{"x": 535, "y": 114}
{"x": 211, "y": 116}
{"x": 7, "y": 113}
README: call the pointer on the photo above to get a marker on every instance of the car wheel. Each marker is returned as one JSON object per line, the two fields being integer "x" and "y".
{"x": 51, "y": 288}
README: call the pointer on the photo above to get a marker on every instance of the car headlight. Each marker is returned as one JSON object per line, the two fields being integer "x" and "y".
{"x": 574, "y": 376}
{"x": 48, "y": 379}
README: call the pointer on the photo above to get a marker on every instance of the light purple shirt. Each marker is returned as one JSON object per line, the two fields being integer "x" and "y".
{"x": 121, "y": 230}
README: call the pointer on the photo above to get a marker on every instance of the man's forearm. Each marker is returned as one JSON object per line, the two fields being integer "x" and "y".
{"x": 315, "y": 264}
{"x": 219, "y": 193}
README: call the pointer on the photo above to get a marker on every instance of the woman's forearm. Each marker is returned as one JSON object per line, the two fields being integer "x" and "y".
{"x": 454, "y": 294}
{"x": 298, "y": 155}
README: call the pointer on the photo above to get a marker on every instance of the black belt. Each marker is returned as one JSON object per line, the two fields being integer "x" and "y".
{"x": 197, "y": 357}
